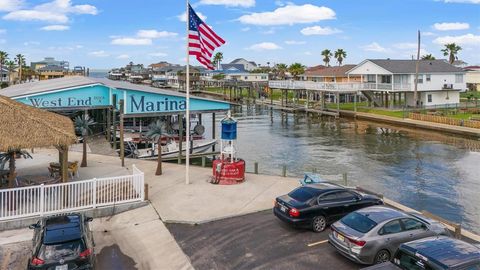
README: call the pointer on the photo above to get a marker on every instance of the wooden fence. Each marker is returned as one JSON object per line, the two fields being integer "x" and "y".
{"x": 445, "y": 120}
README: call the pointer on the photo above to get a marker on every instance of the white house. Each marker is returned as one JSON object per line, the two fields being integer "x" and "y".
{"x": 236, "y": 72}
{"x": 384, "y": 80}
{"x": 4, "y": 75}
{"x": 473, "y": 77}
{"x": 247, "y": 65}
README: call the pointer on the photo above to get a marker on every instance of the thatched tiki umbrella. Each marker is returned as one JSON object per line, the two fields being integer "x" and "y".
{"x": 25, "y": 127}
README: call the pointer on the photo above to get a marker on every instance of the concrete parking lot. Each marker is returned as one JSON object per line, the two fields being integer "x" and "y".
{"x": 256, "y": 241}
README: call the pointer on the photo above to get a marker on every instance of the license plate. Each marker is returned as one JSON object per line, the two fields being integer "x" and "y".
{"x": 340, "y": 237}
{"x": 62, "y": 267}
{"x": 283, "y": 208}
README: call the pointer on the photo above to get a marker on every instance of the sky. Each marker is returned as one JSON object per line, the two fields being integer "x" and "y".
{"x": 103, "y": 34}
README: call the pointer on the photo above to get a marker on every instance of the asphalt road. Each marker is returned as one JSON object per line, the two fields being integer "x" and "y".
{"x": 256, "y": 241}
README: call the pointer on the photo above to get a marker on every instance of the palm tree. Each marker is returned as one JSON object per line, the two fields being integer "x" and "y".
{"x": 451, "y": 50}
{"x": 3, "y": 59}
{"x": 155, "y": 132}
{"x": 217, "y": 59}
{"x": 326, "y": 56}
{"x": 428, "y": 57}
{"x": 280, "y": 70}
{"x": 82, "y": 125}
{"x": 11, "y": 69}
{"x": 340, "y": 54}
{"x": 20, "y": 59}
{"x": 296, "y": 69}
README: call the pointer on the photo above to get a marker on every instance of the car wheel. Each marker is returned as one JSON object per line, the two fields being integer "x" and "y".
{"x": 382, "y": 256}
{"x": 319, "y": 224}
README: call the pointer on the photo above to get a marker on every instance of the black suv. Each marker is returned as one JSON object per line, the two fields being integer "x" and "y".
{"x": 317, "y": 205}
{"x": 62, "y": 242}
{"x": 434, "y": 253}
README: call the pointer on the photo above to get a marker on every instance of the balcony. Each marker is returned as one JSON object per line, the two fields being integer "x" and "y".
{"x": 338, "y": 87}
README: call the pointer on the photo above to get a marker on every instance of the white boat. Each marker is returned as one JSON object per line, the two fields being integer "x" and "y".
{"x": 171, "y": 149}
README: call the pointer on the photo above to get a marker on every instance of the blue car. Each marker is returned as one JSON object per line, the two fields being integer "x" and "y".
{"x": 434, "y": 253}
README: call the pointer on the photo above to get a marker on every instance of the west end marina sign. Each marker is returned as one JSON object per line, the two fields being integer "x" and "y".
{"x": 136, "y": 102}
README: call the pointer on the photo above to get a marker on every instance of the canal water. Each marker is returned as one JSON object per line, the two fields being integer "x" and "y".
{"x": 421, "y": 169}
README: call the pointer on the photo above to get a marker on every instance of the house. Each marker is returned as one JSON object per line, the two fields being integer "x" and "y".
{"x": 156, "y": 66}
{"x": 472, "y": 77}
{"x": 439, "y": 82}
{"x": 236, "y": 72}
{"x": 247, "y": 65}
{"x": 4, "y": 75}
{"x": 330, "y": 74}
{"x": 49, "y": 61}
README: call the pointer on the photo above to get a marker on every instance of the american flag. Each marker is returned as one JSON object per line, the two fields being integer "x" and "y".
{"x": 202, "y": 41}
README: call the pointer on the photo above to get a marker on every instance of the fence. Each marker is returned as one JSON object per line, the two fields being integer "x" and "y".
{"x": 65, "y": 197}
{"x": 445, "y": 120}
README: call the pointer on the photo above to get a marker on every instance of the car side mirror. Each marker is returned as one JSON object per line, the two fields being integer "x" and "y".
{"x": 33, "y": 226}
{"x": 88, "y": 219}
{"x": 425, "y": 227}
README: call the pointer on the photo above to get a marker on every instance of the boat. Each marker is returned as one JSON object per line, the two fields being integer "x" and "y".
{"x": 171, "y": 149}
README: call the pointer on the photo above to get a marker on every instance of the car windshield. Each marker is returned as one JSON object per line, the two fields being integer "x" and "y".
{"x": 358, "y": 222}
{"x": 301, "y": 195}
{"x": 61, "y": 250}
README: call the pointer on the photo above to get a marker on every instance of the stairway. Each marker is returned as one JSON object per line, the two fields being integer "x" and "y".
{"x": 371, "y": 98}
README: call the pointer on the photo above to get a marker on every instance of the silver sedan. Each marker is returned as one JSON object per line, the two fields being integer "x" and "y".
{"x": 372, "y": 235}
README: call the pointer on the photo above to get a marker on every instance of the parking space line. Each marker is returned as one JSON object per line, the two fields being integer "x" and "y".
{"x": 6, "y": 260}
{"x": 317, "y": 243}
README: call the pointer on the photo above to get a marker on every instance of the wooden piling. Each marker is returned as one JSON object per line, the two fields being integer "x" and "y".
{"x": 255, "y": 167}
{"x": 284, "y": 170}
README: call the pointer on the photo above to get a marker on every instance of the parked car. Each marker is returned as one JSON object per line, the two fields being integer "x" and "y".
{"x": 62, "y": 242}
{"x": 317, "y": 205}
{"x": 434, "y": 253}
{"x": 372, "y": 235}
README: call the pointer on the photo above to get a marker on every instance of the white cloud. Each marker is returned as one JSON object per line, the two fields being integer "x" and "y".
{"x": 155, "y": 34}
{"x": 10, "y": 5}
{"x": 264, "y": 46}
{"x": 374, "y": 47}
{"x": 56, "y": 11}
{"x": 308, "y": 53}
{"x": 245, "y": 29}
{"x": 229, "y": 3}
{"x": 3, "y": 31}
{"x": 131, "y": 41}
{"x": 78, "y": 46}
{"x": 183, "y": 17}
{"x": 318, "y": 30}
{"x": 463, "y": 1}
{"x": 468, "y": 39}
{"x": 123, "y": 56}
{"x": 29, "y": 43}
{"x": 295, "y": 42}
{"x": 55, "y": 27}
{"x": 426, "y": 34}
{"x": 405, "y": 45}
{"x": 158, "y": 54}
{"x": 99, "y": 53}
{"x": 451, "y": 26}
{"x": 289, "y": 15}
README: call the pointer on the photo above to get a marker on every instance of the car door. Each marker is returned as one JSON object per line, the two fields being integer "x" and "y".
{"x": 393, "y": 235}
{"x": 329, "y": 204}
{"x": 415, "y": 228}
{"x": 349, "y": 201}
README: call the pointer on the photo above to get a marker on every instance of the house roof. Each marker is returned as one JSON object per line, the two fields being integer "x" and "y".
{"x": 240, "y": 59}
{"x": 474, "y": 68}
{"x": 338, "y": 71}
{"x": 236, "y": 68}
{"x": 408, "y": 66}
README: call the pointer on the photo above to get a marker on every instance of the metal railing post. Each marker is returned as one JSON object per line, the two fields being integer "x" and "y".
{"x": 42, "y": 199}
{"x": 94, "y": 195}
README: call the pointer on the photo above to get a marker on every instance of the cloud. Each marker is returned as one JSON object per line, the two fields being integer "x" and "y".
{"x": 463, "y": 1}
{"x": 374, "y": 47}
{"x": 264, "y": 46}
{"x": 55, "y": 27}
{"x": 10, "y": 5}
{"x": 183, "y": 17}
{"x": 131, "y": 41}
{"x": 295, "y": 42}
{"x": 155, "y": 34}
{"x": 245, "y": 29}
{"x": 451, "y": 26}
{"x": 29, "y": 43}
{"x": 405, "y": 45}
{"x": 318, "y": 30}
{"x": 229, "y": 3}
{"x": 3, "y": 31}
{"x": 158, "y": 54}
{"x": 308, "y": 53}
{"x": 289, "y": 15}
{"x": 123, "y": 56}
{"x": 56, "y": 11}
{"x": 426, "y": 34}
{"x": 468, "y": 39}
{"x": 3, "y": 41}
{"x": 99, "y": 53}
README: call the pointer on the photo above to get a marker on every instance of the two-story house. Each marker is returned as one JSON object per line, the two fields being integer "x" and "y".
{"x": 4, "y": 75}
{"x": 385, "y": 80}
{"x": 331, "y": 74}
{"x": 247, "y": 65}
{"x": 236, "y": 72}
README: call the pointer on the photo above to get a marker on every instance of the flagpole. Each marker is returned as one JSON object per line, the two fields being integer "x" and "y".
{"x": 187, "y": 128}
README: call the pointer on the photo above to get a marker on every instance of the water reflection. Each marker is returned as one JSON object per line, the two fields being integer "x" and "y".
{"x": 421, "y": 169}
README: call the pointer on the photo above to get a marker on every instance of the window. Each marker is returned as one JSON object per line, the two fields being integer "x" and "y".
{"x": 420, "y": 78}
{"x": 300, "y": 194}
{"x": 371, "y": 78}
{"x": 458, "y": 78}
{"x": 391, "y": 227}
{"x": 264, "y": 77}
{"x": 406, "y": 261}
{"x": 328, "y": 197}
{"x": 429, "y": 97}
{"x": 411, "y": 224}
{"x": 345, "y": 196}
{"x": 358, "y": 222}
{"x": 386, "y": 79}
{"x": 428, "y": 77}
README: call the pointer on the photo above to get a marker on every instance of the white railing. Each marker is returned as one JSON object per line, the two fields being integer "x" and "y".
{"x": 65, "y": 197}
{"x": 337, "y": 87}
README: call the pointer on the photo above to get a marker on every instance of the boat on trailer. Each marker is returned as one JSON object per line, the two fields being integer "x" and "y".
{"x": 171, "y": 149}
